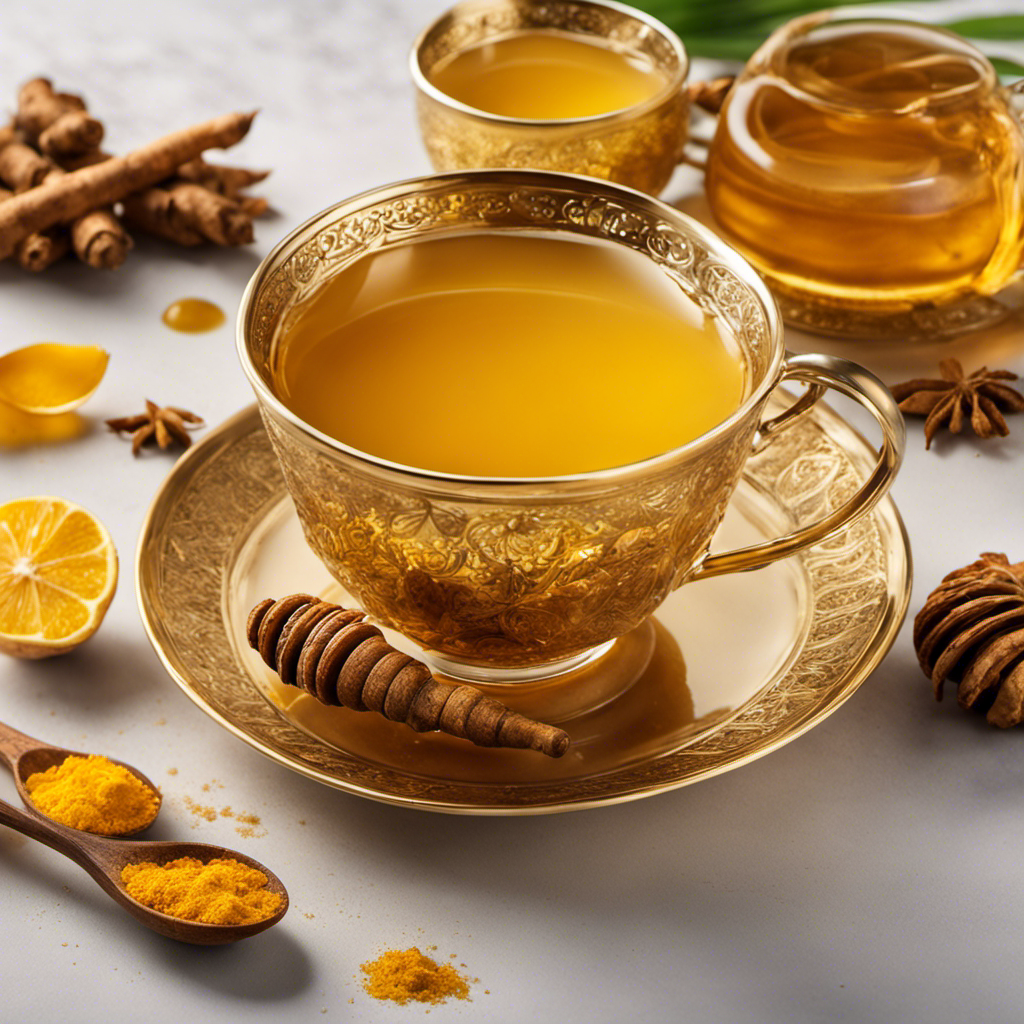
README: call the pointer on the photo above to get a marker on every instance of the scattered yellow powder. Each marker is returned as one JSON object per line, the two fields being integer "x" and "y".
{"x": 172, "y": 771}
{"x": 250, "y": 827}
{"x": 221, "y": 891}
{"x": 404, "y": 975}
{"x": 94, "y": 794}
{"x": 201, "y": 810}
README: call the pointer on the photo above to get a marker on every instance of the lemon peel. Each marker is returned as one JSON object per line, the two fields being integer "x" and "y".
{"x": 49, "y": 379}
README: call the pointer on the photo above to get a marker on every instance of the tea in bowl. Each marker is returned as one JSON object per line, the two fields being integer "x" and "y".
{"x": 511, "y": 408}
{"x": 590, "y": 87}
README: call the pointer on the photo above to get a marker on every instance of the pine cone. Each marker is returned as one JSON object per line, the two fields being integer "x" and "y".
{"x": 342, "y": 661}
{"x": 971, "y": 631}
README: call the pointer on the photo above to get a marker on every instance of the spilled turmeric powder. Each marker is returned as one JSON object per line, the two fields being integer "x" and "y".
{"x": 219, "y": 891}
{"x": 402, "y": 975}
{"x": 94, "y": 794}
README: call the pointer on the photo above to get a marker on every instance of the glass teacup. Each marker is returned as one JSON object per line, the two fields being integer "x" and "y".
{"x": 638, "y": 146}
{"x": 873, "y": 171}
{"x": 505, "y": 579}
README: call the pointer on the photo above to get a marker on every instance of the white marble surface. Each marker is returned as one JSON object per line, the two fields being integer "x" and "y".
{"x": 866, "y": 872}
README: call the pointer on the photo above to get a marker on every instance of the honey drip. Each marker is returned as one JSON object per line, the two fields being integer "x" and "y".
{"x": 193, "y": 316}
{"x": 873, "y": 164}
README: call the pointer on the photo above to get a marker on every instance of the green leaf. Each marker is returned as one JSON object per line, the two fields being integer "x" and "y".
{"x": 734, "y": 31}
{"x": 998, "y": 26}
{"x": 1005, "y": 66}
{"x": 731, "y": 47}
{"x": 713, "y": 18}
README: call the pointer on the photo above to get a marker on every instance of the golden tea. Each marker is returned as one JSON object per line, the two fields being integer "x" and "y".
{"x": 543, "y": 74}
{"x": 508, "y": 355}
{"x": 870, "y": 162}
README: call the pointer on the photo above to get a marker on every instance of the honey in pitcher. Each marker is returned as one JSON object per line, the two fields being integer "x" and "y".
{"x": 508, "y": 355}
{"x": 545, "y": 74}
{"x": 870, "y": 161}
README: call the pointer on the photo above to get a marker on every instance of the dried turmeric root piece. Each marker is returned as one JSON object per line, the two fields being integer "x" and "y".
{"x": 22, "y": 167}
{"x": 40, "y": 249}
{"x": 225, "y": 181}
{"x": 343, "y": 661}
{"x": 63, "y": 199}
{"x": 56, "y": 122}
{"x": 189, "y": 214}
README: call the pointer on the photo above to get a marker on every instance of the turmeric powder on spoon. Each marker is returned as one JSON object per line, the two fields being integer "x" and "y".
{"x": 95, "y": 795}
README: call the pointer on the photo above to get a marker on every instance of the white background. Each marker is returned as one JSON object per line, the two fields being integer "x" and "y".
{"x": 870, "y": 871}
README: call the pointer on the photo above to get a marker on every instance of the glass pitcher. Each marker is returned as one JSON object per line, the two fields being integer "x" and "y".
{"x": 872, "y": 170}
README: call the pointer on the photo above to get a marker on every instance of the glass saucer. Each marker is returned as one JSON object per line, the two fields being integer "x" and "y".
{"x": 736, "y": 665}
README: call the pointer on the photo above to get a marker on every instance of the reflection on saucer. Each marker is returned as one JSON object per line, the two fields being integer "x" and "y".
{"x": 650, "y": 717}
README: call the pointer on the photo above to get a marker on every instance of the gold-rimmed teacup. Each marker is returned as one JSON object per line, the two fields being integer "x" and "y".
{"x": 520, "y": 579}
{"x": 638, "y": 146}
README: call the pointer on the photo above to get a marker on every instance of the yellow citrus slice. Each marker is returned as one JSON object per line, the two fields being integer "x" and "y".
{"x": 49, "y": 379}
{"x": 58, "y": 572}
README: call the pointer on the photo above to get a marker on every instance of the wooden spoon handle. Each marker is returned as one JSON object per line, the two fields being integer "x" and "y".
{"x": 13, "y": 744}
{"x": 81, "y": 848}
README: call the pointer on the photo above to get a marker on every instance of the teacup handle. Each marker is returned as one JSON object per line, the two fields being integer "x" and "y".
{"x": 820, "y": 372}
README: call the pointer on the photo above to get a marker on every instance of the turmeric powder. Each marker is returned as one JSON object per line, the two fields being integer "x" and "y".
{"x": 220, "y": 891}
{"x": 402, "y": 975}
{"x": 94, "y": 794}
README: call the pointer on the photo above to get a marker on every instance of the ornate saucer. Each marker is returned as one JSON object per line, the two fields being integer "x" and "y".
{"x": 739, "y": 665}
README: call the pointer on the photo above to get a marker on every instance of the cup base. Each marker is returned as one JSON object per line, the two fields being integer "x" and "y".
{"x": 466, "y": 672}
{"x": 917, "y": 323}
{"x": 566, "y": 689}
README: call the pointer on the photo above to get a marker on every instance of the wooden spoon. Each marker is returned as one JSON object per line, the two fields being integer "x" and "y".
{"x": 104, "y": 858}
{"x": 25, "y": 756}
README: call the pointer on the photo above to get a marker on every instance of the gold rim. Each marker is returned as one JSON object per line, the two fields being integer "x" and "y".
{"x": 676, "y": 84}
{"x": 187, "y": 547}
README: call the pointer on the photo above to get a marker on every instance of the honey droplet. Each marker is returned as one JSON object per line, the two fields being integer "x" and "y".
{"x": 193, "y": 316}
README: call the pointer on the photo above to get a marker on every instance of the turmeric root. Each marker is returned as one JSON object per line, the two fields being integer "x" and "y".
{"x": 22, "y": 167}
{"x": 57, "y": 123}
{"x": 99, "y": 240}
{"x": 189, "y": 215}
{"x": 217, "y": 219}
{"x": 154, "y": 211}
{"x": 60, "y": 200}
{"x": 339, "y": 659}
{"x": 97, "y": 237}
{"x": 226, "y": 181}
{"x": 38, "y": 250}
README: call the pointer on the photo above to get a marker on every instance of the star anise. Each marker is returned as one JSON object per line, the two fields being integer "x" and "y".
{"x": 165, "y": 424}
{"x": 946, "y": 402}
